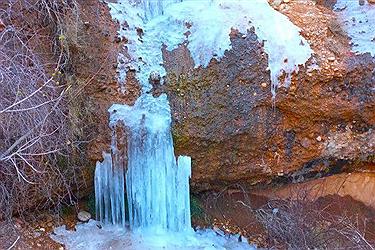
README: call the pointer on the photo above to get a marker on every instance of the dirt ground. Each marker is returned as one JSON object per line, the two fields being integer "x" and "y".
{"x": 231, "y": 211}
{"x": 235, "y": 211}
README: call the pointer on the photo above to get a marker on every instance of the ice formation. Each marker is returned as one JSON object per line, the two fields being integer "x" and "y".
{"x": 204, "y": 26}
{"x": 359, "y": 22}
{"x": 157, "y": 187}
{"x": 109, "y": 192}
{"x": 89, "y": 236}
{"x": 157, "y": 190}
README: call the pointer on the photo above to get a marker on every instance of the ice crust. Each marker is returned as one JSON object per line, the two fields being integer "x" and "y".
{"x": 359, "y": 22}
{"x": 204, "y": 26}
{"x": 89, "y": 236}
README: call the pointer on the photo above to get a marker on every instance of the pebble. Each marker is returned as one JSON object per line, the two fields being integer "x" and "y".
{"x": 264, "y": 85}
{"x": 84, "y": 216}
{"x": 275, "y": 3}
{"x": 305, "y": 143}
{"x": 218, "y": 231}
{"x": 331, "y": 58}
{"x": 319, "y": 138}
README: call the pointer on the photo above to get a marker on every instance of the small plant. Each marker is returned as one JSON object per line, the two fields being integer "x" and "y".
{"x": 90, "y": 203}
{"x": 196, "y": 209}
{"x": 67, "y": 210}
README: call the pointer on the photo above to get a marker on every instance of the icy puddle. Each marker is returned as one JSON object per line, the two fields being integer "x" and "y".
{"x": 90, "y": 236}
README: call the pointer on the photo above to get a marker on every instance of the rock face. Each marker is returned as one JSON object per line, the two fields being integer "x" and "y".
{"x": 224, "y": 116}
{"x": 360, "y": 186}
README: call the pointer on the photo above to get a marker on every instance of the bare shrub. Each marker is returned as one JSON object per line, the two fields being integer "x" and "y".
{"x": 303, "y": 225}
{"x": 35, "y": 133}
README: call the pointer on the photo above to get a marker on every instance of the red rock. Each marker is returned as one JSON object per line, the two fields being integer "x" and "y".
{"x": 269, "y": 137}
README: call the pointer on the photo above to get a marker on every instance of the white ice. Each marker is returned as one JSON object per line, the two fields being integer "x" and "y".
{"x": 89, "y": 236}
{"x": 359, "y": 22}
{"x": 157, "y": 186}
{"x": 166, "y": 23}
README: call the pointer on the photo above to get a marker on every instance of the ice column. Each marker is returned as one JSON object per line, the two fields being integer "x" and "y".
{"x": 157, "y": 187}
{"x": 109, "y": 192}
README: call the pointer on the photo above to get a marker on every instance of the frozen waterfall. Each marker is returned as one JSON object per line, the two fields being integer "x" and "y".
{"x": 157, "y": 186}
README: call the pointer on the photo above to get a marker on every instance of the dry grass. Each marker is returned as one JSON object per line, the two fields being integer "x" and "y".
{"x": 302, "y": 225}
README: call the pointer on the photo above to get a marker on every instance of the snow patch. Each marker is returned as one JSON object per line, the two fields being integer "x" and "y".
{"x": 359, "y": 22}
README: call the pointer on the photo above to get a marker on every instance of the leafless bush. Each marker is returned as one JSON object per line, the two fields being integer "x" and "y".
{"x": 34, "y": 126}
{"x": 302, "y": 225}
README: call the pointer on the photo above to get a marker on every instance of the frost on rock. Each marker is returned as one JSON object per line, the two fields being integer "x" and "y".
{"x": 359, "y": 22}
{"x": 157, "y": 187}
{"x": 204, "y": 26}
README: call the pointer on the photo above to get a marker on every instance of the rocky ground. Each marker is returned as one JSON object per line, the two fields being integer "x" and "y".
{"x": 235, "y": 211}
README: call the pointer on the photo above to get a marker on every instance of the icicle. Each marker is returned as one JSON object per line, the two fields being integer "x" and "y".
{"x": 183, "y": 196}
{"x": 157, "y": 187}
{"x": 109, "y": 192}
